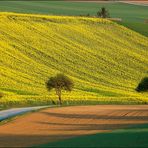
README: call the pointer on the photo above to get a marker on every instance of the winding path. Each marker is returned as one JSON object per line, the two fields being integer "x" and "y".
{"x": 5, "y": 114}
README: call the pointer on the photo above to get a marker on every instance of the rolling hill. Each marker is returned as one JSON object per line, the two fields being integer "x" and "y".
{"x": 133, "y": 16}
{"x": 105, "y": 60}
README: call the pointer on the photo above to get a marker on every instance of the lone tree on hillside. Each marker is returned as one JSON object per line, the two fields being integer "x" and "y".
{"x": 60, "y": 82}
{"x": 143, "y": 85}
{"x": 103, "y": 13}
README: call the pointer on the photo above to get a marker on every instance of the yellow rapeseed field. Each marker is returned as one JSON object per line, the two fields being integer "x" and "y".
{"x": 106, "y": 61}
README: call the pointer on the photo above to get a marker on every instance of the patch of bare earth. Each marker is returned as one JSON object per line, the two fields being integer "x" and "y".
{"x": 58, "y": 123}
{"x": 136, "y": 2}
{"x": 91, "y": 1}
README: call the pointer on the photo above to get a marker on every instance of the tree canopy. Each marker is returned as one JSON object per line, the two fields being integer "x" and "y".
{"x": 59, "y": 82}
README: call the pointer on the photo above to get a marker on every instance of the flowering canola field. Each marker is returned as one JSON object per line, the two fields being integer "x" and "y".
{"x": 106, "y": 61}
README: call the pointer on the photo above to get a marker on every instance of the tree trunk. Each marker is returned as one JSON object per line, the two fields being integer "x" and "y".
{"x": 58, "y": 92}
{"x": 60, "y": 100}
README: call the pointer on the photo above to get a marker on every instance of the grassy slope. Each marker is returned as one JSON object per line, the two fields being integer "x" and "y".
{"x": 137, "y": 26}
{"x": 106, "y": 61}
{"x": 131, "y": 14}
{"x": 134, "y": 137}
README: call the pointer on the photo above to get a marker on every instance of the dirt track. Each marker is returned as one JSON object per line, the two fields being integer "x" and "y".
{"x": 138, "y": 2}
{"x": 58, "y": 123}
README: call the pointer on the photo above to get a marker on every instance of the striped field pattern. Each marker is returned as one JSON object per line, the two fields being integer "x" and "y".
{"x": 106, "y": 61}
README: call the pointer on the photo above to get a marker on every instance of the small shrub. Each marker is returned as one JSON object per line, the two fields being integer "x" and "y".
{"x": 143, "y": 85}
{"x": 103, "y": 13}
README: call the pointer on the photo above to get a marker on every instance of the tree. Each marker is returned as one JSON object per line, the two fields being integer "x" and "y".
{"x": 143, "y": 85}
{"x": 59, "y": 82}
{"x": 103, "y": 13}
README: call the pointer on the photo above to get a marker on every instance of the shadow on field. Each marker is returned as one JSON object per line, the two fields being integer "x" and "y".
{"x": 85, "y": 127}
{"x": 9, "y": 140}
{"x": 124, "y": 116}
{"x": 135, "y": 137}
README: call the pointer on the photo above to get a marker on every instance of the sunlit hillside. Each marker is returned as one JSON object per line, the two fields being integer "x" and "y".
{"x": 106, "y": 61}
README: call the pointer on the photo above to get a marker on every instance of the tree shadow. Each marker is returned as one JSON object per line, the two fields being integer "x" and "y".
{"x": 124, "y": 139}
{"x": 92, "y": 116}
{"x": 85, "y": 127}
{"x": 13, "y": 140}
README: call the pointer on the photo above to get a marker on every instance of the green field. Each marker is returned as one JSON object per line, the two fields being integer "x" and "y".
{"x": 106, "y": 61}
{"x": 134, "y": 137}
{"x": 132, "y": 16}
{"x": 137, "y": 26}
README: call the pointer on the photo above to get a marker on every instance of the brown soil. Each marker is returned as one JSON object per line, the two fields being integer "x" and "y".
{"x": 137, "y": 2}
{"x": 58, "y": 123}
